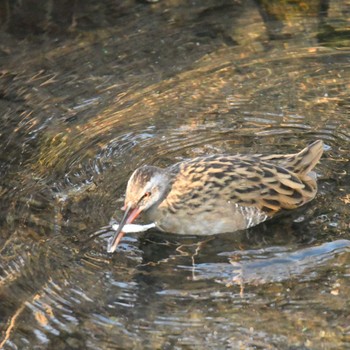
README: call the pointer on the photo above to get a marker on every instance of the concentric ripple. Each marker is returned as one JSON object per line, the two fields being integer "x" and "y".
{"x": 81, "y": 116}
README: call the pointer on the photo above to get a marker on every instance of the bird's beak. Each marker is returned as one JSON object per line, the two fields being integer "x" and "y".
{"x": 129, "y": 216}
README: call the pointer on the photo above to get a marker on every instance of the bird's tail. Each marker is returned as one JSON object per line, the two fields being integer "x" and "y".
{"x": 300, "y": 163}
{"x": 303, "y": 162}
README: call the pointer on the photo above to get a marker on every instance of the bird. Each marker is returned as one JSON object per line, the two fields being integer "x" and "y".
{"x": 220, "y": 193}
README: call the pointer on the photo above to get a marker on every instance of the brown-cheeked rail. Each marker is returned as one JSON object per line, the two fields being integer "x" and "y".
{"x": 220, "y": 193}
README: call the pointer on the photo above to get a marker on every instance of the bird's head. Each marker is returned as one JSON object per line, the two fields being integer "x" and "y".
{"x": 147, "y": 187}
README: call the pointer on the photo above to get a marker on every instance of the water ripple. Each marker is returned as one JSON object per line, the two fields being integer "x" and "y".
{"x": 264, "y": 267}
{"x": 71, "y": 137}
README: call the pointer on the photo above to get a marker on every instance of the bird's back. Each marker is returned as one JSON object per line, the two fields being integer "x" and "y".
{"x": 221, "y": 193}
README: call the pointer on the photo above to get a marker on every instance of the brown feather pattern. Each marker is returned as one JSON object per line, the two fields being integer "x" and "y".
{"x": 226, "y": 192}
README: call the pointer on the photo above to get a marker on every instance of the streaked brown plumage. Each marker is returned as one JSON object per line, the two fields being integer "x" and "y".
{"x": 220, "y": 193}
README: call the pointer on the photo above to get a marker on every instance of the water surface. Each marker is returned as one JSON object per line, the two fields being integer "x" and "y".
{"x": 156, "y": 84}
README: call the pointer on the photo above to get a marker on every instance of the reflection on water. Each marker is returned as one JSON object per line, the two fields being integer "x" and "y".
{"x": 273, "y": 264}
{"x": 81, "y": 112}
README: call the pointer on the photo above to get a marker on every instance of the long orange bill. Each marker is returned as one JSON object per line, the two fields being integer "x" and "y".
{"x": 129, "y": 216}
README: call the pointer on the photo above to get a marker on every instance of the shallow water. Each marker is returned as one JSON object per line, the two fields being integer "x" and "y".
{"x": 157, "y": 84}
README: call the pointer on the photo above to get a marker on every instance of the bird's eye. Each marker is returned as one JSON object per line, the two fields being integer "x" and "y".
{"x": 145, "y": 196}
